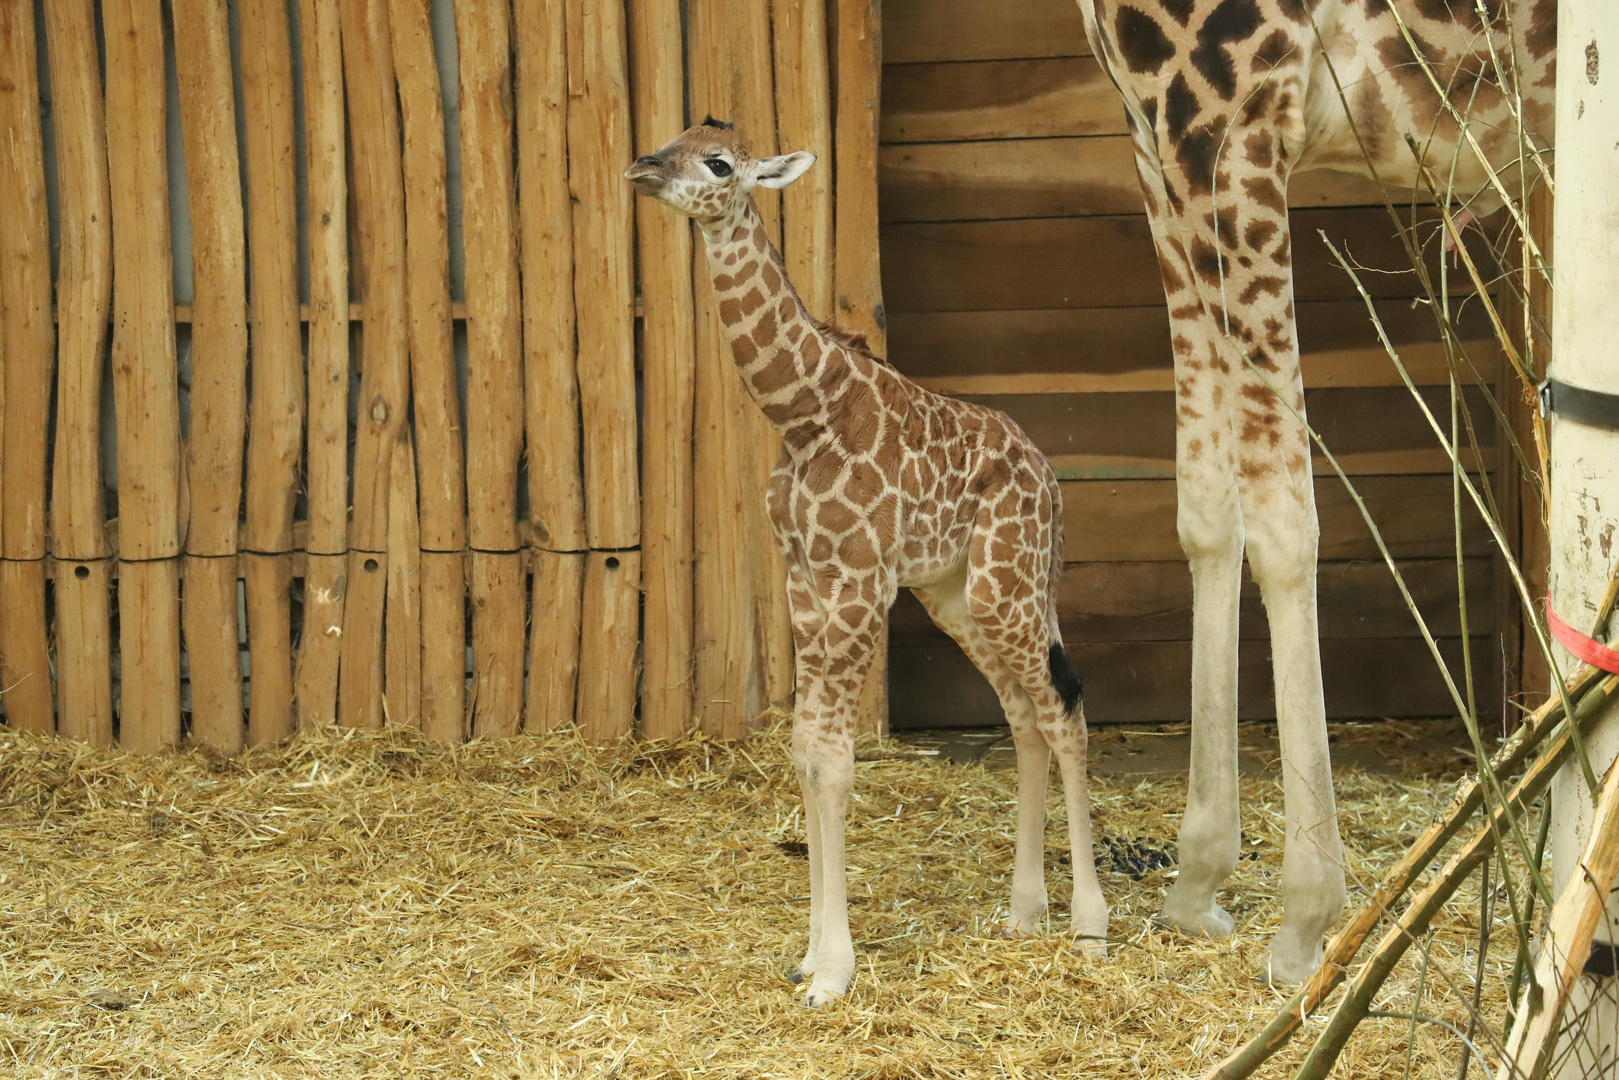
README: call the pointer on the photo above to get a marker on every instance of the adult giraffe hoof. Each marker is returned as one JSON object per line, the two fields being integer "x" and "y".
{"x": 1208, "y": 922}
{"x": 1091, "y": 946}
{"x": 1289, "y": 961}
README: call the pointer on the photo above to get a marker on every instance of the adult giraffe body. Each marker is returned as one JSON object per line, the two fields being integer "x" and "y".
{"x": 1226, "y": 99}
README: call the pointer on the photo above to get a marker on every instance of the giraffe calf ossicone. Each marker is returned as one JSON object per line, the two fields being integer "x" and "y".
{"x": 882, "y": 485}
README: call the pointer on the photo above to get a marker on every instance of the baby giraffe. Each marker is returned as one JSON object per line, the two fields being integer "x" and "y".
{"x": 882, "y": 484}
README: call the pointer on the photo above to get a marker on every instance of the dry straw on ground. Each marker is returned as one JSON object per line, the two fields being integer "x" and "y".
{"x": 366, "y": 905}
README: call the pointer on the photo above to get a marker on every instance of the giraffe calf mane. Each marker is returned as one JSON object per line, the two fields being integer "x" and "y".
{"x": 852, "y": 340}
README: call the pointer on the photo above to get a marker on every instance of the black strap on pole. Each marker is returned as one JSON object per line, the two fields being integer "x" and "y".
{"x": 1593, "y": 408}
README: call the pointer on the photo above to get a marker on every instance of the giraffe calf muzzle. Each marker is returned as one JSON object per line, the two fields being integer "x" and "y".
{"x": 647, "y": 174}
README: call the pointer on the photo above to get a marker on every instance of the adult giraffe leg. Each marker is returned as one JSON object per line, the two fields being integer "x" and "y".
{"x": 1209, "y": 521}
{"x": 1234, "y": 224}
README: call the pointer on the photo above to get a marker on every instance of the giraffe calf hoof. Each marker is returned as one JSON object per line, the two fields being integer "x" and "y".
{"x": 795, "y": 976}
{"x": 821, "y": 999}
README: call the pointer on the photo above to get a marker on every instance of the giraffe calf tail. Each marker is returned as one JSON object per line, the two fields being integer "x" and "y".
{"x": 1064, "y": 679}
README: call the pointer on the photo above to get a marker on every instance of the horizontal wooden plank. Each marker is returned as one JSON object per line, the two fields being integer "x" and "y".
{"x": 1150, "y": 681}
{"x": 1127, "y": 348}
{"x": 1420, "y": 462}
{"x": 1152, "y": 601}
{"x": 1108, "y": 261}
{"x": 1132, "y": 520}
{"x": 1140, "y": 427}
{"x": 1023, "y": 178}
{"x": 916, "y": 31}
{"x": 998, "y": 99}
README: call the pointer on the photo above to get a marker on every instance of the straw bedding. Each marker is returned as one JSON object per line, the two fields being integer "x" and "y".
{"x": 363, "y": 904}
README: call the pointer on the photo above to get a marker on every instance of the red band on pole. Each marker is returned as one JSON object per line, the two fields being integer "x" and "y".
{"x": 1587, "y": 649}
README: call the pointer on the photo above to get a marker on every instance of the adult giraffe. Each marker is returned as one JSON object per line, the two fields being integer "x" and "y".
{"x": 1226, "y": 99}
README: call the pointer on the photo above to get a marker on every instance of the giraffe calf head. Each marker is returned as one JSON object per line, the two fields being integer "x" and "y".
{"x": 707, "y": 172}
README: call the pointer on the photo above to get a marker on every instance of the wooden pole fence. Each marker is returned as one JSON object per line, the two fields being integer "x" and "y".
{"x": 441, "y": 432}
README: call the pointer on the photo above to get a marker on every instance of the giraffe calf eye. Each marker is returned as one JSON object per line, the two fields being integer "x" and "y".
{"x": 718, "y": 166}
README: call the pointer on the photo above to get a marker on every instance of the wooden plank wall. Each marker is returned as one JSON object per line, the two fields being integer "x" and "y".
{"x": 463, "y": 455}
{"x": 1018, "y": 271}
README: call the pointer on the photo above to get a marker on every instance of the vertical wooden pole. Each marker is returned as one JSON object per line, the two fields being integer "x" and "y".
{"x": 268, "y": 586}
{"x": 553, "y": 670}
{"x": 436, "y": 398}
{"x": 144, "y": 391}
{"x": 667, "y": 344}
{"x": 28, "y": 341}
{"x": 365, "y": 593}
{"x": 556, "y": 493}
{"x": 603, "y": 291}
{"x": 384, "y": 368}
{"x": 84, "y": 650}
{"x": 497, "y": 643}
{"x": 320, "y": 645}
{"x": 444, "y": 664}
{"x": 603, "y": 288}
{"x": 26, "y": 664}
{"x": 729, "y": 80}
{"x": 494, "y": 364}
{"x": 857, "y": 281}
{"x": 804, "y": 122}
{"x": 211, "y": 621}
{"x": 207, "y": 94}
{"x": 440, "y": 492}
{"x": 275, "y": 429}
{"x": 83, "y": 303}
{"x": 149, "y": 646}
{"x": 327, "y": 482}
{"x": 403, "y": 646}
{"x": 607, "y": 701}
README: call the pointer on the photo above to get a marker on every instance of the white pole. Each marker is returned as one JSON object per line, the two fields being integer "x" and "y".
{"x": 1583, "y": 500}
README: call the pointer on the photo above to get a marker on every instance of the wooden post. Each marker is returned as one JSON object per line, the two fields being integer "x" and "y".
{"x": 365, "y": 593}
{"x": 84, "y": 650}
{"x": 553, "y": 669}
{"x": 321, "y": 644}
{"x": 667, "y": 361}
{"x": 403, "y": 645}
{"x": 607, "y": 700}
{"x": 556, "y": 493}
{"x": 444, "y": 664}
{"x": 728, "y": 674}
{"x": 439, "y": 486}
{"x": 804, "y": 122}
{"x": 267, "y": 583}
{"x": 144, "y": 389}
{"x": 83, "y": 303}
{"x": 325, "y": 141}
{"x": 218, "y": 370}
{"x": 494, "y": 365}
{"x": 857, "y": 280}
{"x": 1583, "y": 510}
{"x": 384, "y": 368}
{"x": 149, "y": 646}
{"x": 498, "y": 615}
{"x": 275, "y": 427}
{"x": 604, "y": 305}
{"x": 28, "y": 341}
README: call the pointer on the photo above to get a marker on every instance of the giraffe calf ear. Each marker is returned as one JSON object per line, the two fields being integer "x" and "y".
{"x": 778, "y": 172}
